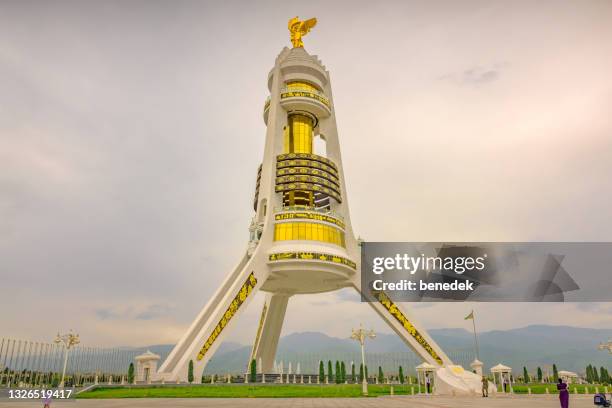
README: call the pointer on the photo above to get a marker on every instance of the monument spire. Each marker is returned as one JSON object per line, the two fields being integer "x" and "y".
{"x": 301, "y": 237}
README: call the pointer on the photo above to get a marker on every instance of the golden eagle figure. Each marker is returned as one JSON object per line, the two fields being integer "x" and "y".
{"x": 298, "y": 29}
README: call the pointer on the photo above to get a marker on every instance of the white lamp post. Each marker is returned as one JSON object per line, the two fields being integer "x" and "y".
{"x": 360, "y": 335}
{"x": 606, "y": 346}
{"x": 68, "y": 340}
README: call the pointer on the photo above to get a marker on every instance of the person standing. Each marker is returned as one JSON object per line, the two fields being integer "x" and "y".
{"x": 428, "y": 383}
{"x": 563, "y": 394}
{"x": 485, "y": 387}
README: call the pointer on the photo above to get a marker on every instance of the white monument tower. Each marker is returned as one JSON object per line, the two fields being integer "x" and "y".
{"x": 301, "y": 237}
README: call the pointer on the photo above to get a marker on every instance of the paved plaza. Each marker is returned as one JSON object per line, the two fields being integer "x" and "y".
{"x": 540, "y": 401}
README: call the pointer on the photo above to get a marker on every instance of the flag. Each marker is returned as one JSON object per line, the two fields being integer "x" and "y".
{"x": 470, "y": 316}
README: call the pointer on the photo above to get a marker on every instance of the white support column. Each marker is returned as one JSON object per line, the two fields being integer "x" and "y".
{"x": 217, "y": 316}
{"x": 265, "y": 348}
{"x": 403, "y": 333}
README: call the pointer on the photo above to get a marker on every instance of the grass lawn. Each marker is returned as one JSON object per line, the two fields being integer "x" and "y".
{"x": 244, "y": 391}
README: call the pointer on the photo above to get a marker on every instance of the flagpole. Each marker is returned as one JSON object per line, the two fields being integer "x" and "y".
{"x": 475, "y": 337}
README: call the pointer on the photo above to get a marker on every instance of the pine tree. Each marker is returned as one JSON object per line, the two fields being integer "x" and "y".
{"x": 366, "y": 371}
{"x": 401, "y": 375}
{"x": 539, "y": 374}
{"x": 321, "y": 371}
{"x": 338, "y": 373}
{"x": 381, "y": 376}
{"x": 342, "y": 372}
{"x": 253, "y": 371}
{"x": 361, "y": 377}
{"x": 330, "y": 371}
{"x": 190, "y": 372}
{"x": 555, "y": 373}
{"x": 605, "y": 376}
{"x": 595, "y": 375}
{"x": 589, "y": 374}
{"x": 131, "y": 374}
{"x": 353, "y": 372}
{"x": 525, "y": 375}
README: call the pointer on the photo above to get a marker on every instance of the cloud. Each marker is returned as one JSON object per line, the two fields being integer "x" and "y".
{"x": 477, "y": 75}
{"x": 129, "y": 312}
{"x": 122, "y": 199}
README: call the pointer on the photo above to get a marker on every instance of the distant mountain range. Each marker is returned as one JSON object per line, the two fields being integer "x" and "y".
{"x": 570, "y": 348}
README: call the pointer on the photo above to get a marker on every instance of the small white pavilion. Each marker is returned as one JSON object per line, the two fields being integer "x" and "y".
{"x": 146, "y": 367}
{"x": 425, "y": 370}
{"x": 568, "y": 377}
{"x": 504, "y": 373}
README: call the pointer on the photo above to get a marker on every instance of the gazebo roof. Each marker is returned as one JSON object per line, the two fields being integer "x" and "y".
{"x": 147, "y": 355}
{"x": 425, "y": 366}
{"x": 501, "y": 368}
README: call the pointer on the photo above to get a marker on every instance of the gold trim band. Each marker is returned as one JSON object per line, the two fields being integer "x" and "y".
{"x": 308, "y": 156}
{"x": 307, "y": 179}
{"x": 280, "y": 188}
{"x": 305, "y": 94}
{"x": 312, "y": 256}
{"x": 243, "y": 293}
{"x": 308, "y": 171}
{"x": 399, "y": 316}
{"x": 308, "y": 216}
{"x": 306, "y": 163}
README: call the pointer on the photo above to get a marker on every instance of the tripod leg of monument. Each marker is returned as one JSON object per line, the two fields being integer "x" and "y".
{"x": 268, "y": 332}
{"x": 409, "y": 330}
{"x": 213, "y": 323}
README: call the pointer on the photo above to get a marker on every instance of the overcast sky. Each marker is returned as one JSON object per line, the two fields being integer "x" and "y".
{"x": 131, "y": 132}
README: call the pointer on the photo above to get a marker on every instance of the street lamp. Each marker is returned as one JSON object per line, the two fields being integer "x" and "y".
{"x": 606, "y": 346}
{"x": 360, "y": 335}
{"x": 68, "y": 340}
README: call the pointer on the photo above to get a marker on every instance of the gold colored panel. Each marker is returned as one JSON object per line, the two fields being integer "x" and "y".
{"x": 306, "y": 231}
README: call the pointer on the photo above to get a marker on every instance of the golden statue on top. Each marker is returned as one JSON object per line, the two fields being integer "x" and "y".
{"x": 298, "y": 29}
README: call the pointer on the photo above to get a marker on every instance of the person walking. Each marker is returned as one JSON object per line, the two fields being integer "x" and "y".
{"x": 485, "y": 387}
{"x": 563, "y": 394}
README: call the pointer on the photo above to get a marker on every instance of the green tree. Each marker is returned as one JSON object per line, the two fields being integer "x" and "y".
{"x": 342, "y": 372}
{"x": 353, "y": 372}
{"x": 595, "y": 375}
{"x": 330, "y": 371}
{"x": 381, "y": 376}
{"x": 525, "y": 375}
{"x": 361, "y": 373}
{"x": 401, "y": 375}
{"x": 338, "y": 373}
{"x": 190, "y": 372}
{"x": 321, "y": 371}
{"x": 555, "y": 373}
{"x": 55, "y": 381}
{"x": 589, "y": 374}
{"x": 539, "y": 374}
{"x": 366, "y": 371}
{"x": 131, "y": 374}
{"x": 608, "y": 379}
{"x": 253, "y": 371}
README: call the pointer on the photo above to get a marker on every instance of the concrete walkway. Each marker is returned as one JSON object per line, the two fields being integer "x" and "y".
{"x": 539, "y": 401}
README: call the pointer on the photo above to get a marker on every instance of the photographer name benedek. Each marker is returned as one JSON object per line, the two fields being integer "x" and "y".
{"x": 408, "y": 285}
